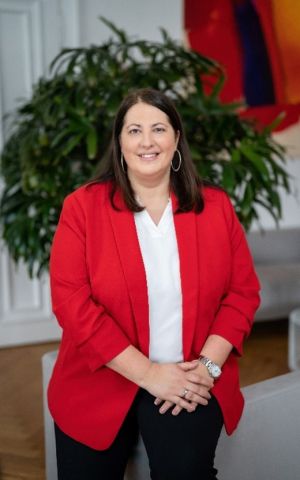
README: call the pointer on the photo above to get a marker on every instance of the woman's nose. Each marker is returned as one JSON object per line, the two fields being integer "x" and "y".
{"x": 146, "y": 139}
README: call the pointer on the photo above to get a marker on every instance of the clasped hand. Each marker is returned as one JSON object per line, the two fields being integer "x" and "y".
{"x": 179, "y": 385}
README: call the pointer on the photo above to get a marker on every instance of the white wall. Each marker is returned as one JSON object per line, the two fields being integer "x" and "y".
{"x": 290, "y": 139}
{"x": 290, "y": 203}
{"x": 140, "y": 18}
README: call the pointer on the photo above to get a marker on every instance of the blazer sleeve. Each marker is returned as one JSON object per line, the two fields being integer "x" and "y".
{"x": 95, "y": 333}
{"x": 235, "y": 315}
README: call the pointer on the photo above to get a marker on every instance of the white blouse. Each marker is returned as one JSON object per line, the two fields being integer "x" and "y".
{"x": 159, "y": 249}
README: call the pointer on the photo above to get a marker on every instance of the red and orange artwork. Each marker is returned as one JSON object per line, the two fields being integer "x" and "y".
{"x": 258, "y": 43}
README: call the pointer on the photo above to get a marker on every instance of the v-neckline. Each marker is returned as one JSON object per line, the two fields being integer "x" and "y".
{"x": 163, "y": 224}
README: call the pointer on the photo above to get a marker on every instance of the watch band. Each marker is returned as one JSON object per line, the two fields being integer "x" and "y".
{"x": 213, "y": 369}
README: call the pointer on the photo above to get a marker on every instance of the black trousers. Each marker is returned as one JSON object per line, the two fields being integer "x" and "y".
{"x": 179, "y": 447}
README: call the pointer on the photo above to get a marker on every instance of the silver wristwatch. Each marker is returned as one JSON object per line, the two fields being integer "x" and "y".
{"x": 213, "y": 369}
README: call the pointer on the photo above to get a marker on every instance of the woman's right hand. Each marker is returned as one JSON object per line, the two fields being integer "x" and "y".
{"x": 169, "y": 381}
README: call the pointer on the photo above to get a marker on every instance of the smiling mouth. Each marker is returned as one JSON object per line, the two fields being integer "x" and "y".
{"x": 148, "y": 156}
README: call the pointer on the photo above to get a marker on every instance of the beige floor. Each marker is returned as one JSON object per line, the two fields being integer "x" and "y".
{"x": 21, "y": 422}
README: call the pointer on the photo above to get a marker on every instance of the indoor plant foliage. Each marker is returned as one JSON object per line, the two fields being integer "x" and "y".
{"x": 60, "y": 135}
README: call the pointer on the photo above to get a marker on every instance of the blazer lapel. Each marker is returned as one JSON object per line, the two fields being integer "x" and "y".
{"x": 132, "y": 263}
{"x": 187, "y": 241}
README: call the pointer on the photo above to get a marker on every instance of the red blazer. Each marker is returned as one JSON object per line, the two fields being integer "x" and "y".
{"x": 99, "y": 297}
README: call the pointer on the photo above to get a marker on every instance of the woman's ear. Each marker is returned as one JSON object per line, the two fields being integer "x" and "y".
{"x": 177, "y": 137}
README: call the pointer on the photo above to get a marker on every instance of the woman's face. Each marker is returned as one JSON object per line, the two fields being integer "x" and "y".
{"x": 148, "y": 142}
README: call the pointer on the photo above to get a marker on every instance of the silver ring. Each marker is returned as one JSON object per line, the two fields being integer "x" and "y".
{"x": 185, "y": 392}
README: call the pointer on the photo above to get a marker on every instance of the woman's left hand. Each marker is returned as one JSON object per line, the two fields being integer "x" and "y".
{"x": 199, "y": 372}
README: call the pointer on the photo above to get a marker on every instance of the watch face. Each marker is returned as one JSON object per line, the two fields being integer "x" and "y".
{"x": 215, "y": 371}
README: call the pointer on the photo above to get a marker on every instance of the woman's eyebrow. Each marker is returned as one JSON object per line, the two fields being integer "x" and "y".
{"x": 138, "y": 125}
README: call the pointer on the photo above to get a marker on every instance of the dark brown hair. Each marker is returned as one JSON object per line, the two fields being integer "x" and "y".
{"x": 185, "y": 183}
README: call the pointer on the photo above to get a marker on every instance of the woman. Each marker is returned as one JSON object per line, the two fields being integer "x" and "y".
{"x": 154, "y": 287}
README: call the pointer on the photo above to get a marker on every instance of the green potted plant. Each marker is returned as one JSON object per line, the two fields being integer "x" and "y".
{"x": 61, "y": 134}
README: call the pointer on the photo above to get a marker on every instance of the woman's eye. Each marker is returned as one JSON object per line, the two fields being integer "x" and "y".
{"x": 134, "y": 131}
{"x": 159, "y": 129}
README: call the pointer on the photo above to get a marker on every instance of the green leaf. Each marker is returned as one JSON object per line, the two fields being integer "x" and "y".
{"x": 120, "y": 33}
{"x": 91, "y": 142}
{"x": 71, "y": 144}
{"x": 60, "y": 136}
{"x": 235, "y": 156}
{"x": 257, "y": 160}
{"x": 229, "y": 179}
{"x": 217, "y": 87}
{"x": 267, "y": 130}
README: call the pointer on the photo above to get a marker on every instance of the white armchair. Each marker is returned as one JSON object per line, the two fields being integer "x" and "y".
{"x": 276, "y": 255}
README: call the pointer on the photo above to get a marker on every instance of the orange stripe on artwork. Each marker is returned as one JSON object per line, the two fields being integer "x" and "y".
{"x": 286, "y": 17}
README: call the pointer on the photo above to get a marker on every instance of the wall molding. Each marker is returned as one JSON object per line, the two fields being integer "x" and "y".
{"x": 32, "y": 32}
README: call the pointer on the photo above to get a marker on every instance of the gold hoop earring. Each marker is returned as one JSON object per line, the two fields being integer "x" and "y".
{"x": 122, "y": 163}
{"x": 179, "y": 164}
